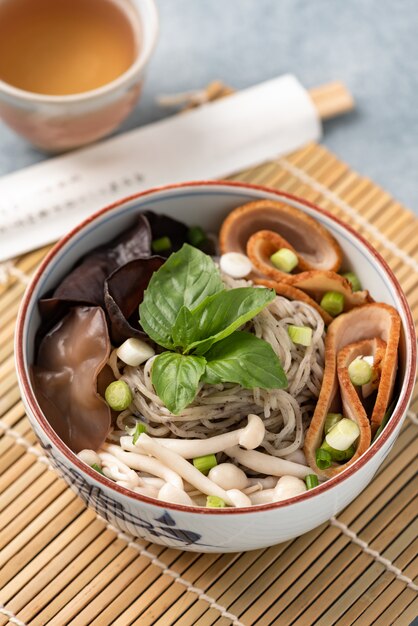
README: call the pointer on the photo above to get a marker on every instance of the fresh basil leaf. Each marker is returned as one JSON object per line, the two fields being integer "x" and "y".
{"x": 246, "y": 360}
{"x": 176, "y": 379}
{"x": 221, "y": 314}
{"x": 184, "y": 329}
{"x": 187, "y": 278}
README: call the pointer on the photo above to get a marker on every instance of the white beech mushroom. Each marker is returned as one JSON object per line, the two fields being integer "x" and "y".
{"x": 147, "y": 490}
{"x": 90, "y": 457}
{"x": 117, "y": 470}
{"x": 144, "y": 463}
{"x": 249, "y": 437}
{"x": 186, "y": 470}
{"x": 170, "y": 493}
{"x": 238, "y": 498}
{"x": 375, "y": 320}
{"x": 265, "y": 483}
{"x": 267, "y": 464}
{"x": 228, "y": 476}
{"x": 153, "y": 481}
{"x": 297, "y": 456}
{"x": 286, "y": 487}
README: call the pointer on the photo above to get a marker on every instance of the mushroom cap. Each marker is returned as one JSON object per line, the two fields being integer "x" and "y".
{"x": 171, "y": 493}
{"x": 238, "y": 498}
{"x": 228, "y": 476}
{"x": 306, "y": 236}
{"x": 288, "y": 487}
{"x": 252, "y": 435}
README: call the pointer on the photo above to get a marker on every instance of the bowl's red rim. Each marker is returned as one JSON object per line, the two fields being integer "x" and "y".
{"x": 322, "y": 488}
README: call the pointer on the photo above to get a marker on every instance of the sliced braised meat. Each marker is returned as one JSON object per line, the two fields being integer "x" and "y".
{"x": 308, "y": 238}
{"x": 366, "y": 323}
{"x": 292, "y": 293}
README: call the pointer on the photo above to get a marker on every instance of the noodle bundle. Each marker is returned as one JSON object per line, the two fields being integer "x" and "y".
{"x": 220, "y": 408}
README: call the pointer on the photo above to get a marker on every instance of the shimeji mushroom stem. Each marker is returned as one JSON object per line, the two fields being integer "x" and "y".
{"x": 266, "y": 464}
{"x": 287, "y": 487}
{"x": 147, "y": 490}
{"x": 250, "y": 437}
{"x": 185, "y": 469}
{"x": 144, "y": 463}
{"x": 115, "y": 469}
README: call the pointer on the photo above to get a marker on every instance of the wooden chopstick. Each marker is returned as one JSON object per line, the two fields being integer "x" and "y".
{"x": 330, "y": 100}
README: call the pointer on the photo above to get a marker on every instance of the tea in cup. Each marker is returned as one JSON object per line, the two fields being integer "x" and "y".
{"x": 71, "y": 70}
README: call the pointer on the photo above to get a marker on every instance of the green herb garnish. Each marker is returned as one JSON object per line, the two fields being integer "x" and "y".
{"x": 187, "y": 310}
{"x": 353, "y": 280}
{"x": 214, "y": 502}
{"x": 323, "y": 459}
{"x": 330, "y": 421}
{"x": 161, "y": 245}
{"x": 205, "y": 463}
{"x": 196, "y": 236}
{"x": 139, "y": 429}
{"x": 333, "y": 303}
{"x": 311, "y": 481}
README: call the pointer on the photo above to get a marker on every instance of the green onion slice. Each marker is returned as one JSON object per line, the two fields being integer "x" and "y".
{"x": 343, "y": 434}
{"x": 139, "y": 429}
{"x": 330, "y": 421}
{"x": 311, "y": 481}
{"x": 323, "y": 459}
{"x": 161, "y": 245}
{"x": 214, "y": 502}
{"x": 353, "y": 280}
{"x": 284, "y": 259}
{"x": 205, "y": 463}
{"x": 97, "y": 468}
{"x": 333, "y": 303}
{"x": 196, "y": 236}
{"x": 118, "y": 395}
{"x": 349, "y": 453}
{"x": 360, "y": 372}
{"x": 301, "y": 335}
{"x": 336, "y": 455}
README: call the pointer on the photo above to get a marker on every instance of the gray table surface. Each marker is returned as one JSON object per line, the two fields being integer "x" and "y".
{"x": 371, "y": 45}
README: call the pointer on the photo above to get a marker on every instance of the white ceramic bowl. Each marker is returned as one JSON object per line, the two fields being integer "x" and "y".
{"x": 57, "y": 123}
{"x": 210, "y": 530}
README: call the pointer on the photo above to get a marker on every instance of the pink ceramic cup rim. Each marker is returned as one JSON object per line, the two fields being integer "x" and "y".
{"x": 141, "y": 60}
{"x": 406, "y": 388}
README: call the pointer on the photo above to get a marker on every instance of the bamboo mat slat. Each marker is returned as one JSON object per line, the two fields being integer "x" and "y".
{"x": 61, "y": 564}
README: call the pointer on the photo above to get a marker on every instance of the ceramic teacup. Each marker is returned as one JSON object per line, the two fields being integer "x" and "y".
{"x": 58, "y": 123}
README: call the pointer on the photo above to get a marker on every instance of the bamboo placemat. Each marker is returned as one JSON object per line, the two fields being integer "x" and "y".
{"x": 63, "y": 565}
